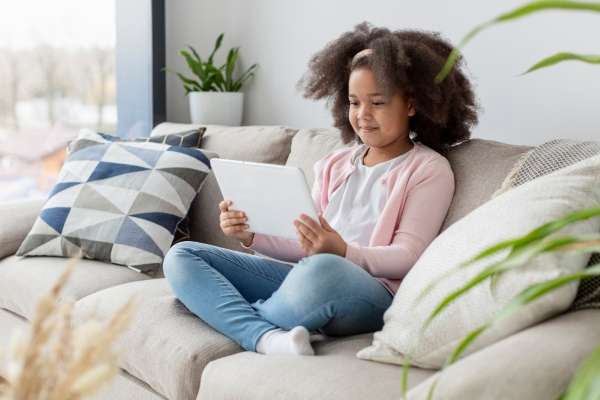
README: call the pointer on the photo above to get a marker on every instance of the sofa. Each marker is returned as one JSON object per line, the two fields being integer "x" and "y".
{"x": 169, "y": 353}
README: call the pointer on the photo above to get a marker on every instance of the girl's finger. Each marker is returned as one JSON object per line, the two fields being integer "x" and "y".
{"x": 311, "y": 223}
{"x": 307, "y": 232}
{"x": 236, "y": 221}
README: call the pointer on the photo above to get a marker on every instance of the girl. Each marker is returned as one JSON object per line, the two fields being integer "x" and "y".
{"x": 380, "y": 202}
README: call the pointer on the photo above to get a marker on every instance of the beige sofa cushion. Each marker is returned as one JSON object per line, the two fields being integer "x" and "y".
{"x": 24, "y": 280}
{"x": 267, "y": 144}
{"x": 535, "y": 364}
{"x": 310, "y": 145}
{"x": 17, "y": 219}
{"x": 166, "y": 345}
{"x": 479, "y": 167}
{"x": 122, "y": 387}
{"x": 333, "y": 373}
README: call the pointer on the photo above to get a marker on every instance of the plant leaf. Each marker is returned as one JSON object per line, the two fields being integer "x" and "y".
{"x": 404, "y": 382}
{"x": 432, "y": 388}
{"x": 515, "y": 244}
{"x": 217, "y": 46}
{"x": 216, "y": 77}
{"x": 249, "y": 73}
{"x": 561, "y": 57}
{"x": 524, "y": 255}
{"x": 194, "y": 65}
{"x": 462, "y": 346}
{"x": 585, "y": 383}
{"x": 195, "y": 53}
{"x": 527, "y": 296}
{"x": 232, "y": 58}
{"x": 519, "y": 12}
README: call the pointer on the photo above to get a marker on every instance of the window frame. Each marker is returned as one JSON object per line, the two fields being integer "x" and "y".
{"x": 140, "y": 59}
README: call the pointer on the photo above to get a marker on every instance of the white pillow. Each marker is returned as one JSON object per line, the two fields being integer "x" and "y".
{"x": 511, "y": 214}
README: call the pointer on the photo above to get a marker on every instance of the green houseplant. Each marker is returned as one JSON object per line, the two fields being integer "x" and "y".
{"x": 584, "y": 384}
{"x": 214, "y": 93}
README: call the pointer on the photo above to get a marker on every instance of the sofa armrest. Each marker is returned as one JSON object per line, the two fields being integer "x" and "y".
{"x": 537, "y": 363}
{"x": 17, "y": 218}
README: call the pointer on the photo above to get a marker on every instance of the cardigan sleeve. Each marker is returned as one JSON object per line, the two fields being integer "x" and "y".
{"x": 289, "y": 249}
{"x": 425, "y": 208}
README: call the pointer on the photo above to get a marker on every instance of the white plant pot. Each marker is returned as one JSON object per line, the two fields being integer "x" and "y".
{"x": 216, "y": 108}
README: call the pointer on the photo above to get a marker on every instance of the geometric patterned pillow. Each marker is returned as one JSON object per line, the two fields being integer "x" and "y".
{"x": 189, "y": 138}
{"x": 118, "y": 201}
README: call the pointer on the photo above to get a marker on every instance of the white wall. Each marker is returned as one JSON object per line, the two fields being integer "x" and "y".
{"x": 281, "y": 35}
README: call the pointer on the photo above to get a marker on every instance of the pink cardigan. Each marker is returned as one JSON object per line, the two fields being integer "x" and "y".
{"x": 419, "y": 193}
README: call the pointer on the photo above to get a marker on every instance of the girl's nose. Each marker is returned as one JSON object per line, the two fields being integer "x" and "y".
{"x": 364, "y": 112}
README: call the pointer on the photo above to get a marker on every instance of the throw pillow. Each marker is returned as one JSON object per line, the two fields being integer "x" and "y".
{"x": 189, "y": 138}
{"x": 512, "y": 214}
{"x": 118, "y": 201}
{"x": 542, "y": 160}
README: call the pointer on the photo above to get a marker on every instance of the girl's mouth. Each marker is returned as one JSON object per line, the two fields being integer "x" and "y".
{"x": 368, "y": 130}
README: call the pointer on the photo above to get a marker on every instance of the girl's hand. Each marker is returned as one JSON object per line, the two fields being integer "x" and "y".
{"x": 319, "y": 238}
{"x": 233, "y": 223}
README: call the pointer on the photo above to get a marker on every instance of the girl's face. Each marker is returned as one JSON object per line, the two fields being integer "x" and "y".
{"x": 378, "y": 121}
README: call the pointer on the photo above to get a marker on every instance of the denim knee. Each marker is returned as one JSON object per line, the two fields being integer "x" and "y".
{"x": 313, "y": 280}
{"x": 173, "y": 264}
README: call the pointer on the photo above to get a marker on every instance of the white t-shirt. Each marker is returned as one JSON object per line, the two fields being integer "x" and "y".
{"x": 355, "y": 206}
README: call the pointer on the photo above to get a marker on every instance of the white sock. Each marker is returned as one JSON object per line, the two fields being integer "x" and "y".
{"x": 278, "y": 341}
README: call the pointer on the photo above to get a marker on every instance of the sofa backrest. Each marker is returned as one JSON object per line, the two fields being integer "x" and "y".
{"x": 479, "y": 166}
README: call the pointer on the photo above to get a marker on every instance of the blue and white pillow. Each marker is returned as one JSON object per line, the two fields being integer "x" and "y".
{"x": 188, "y": 138}
{"x": 118, "y": 201}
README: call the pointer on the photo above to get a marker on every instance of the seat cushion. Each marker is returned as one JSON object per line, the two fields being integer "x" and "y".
{"x": 535, "y": 364}
{"x": 166, "y": 345}
{"x": 333, "y": 373}
{"x": 479, "y": 167}
{"x": 23, "y": 281}
{"x": 122, "y": 387}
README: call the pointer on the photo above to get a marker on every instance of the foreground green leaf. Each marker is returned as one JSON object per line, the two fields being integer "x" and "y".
{"x": 527, "y": 296}
{"x": 519, "y": 12}
{"x": 404, "y": 382}
{"x": 581, "y": 244}
{"x": 516, "y": 245}
{"x": 561, "y": 57}
{"x": 585, "y": 383}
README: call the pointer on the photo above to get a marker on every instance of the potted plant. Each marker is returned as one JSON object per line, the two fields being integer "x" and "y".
{"x": 215, "y": 96}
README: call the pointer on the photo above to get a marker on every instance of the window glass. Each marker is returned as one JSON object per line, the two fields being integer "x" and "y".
{"x": 57, "y": 75}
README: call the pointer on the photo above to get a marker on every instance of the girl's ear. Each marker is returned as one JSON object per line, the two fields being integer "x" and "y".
{"x": 411, "y": 109}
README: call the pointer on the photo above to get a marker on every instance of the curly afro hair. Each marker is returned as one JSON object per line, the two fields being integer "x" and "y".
{"x": 402, "y": 60}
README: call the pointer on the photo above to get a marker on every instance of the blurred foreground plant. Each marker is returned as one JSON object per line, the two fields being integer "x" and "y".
{"x": 53, "y": 360}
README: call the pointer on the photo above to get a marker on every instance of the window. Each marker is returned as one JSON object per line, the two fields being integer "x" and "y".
{"x": 66, "y": 65}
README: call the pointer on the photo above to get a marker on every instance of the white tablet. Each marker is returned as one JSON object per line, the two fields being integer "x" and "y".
{"x": 272, "y": 196}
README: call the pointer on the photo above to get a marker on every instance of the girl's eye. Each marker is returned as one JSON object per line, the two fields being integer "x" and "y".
{"x": 378, "y": 103}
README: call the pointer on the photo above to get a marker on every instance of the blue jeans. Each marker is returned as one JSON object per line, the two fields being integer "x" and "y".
{"x": 243, "y": 296}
